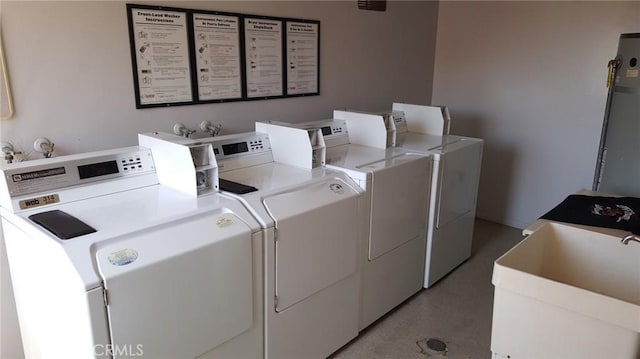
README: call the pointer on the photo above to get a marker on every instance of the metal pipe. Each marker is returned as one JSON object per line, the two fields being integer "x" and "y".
{"x": 611, "y": 79}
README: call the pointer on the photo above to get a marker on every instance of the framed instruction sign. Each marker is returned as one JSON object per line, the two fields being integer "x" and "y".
{"x": 217, "y": 56}
{"x": 186, "y": 56}
{"x": 303, "y": 57}
{"x": 263, "y": 50}
{"x": 160, "y": 56}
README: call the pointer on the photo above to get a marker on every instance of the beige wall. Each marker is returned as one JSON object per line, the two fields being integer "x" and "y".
{"x": 70, "y": 67}
{"x": 526, "y": 76}
{"x": 529, "y": 78}
{"x": 72, "y": 79}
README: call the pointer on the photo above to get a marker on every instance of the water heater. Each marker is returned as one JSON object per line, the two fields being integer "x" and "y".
{"x": 618, "y": 167}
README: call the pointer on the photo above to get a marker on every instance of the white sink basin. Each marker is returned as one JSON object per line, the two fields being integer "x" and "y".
{"x": 569, "y": 293}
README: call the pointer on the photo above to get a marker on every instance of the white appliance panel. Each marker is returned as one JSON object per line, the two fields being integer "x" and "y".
{"x": 391, "y": 279}
{"x": 316, "y": 239}
{"x": 398, "y": 203}
{"x": 422, "y": 119}
{"x": 458, "y": 183}
{"x": 180, "y": 290}
{"x": 51, "y": 302}
{"x": 449, "y": 247}
{"x": 456, "y": 173}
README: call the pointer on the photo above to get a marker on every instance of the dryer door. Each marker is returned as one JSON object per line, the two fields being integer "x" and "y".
{"x": 316, "y": 238}
{"x": 399, "y": 200}
{"x": 459, "y": 177}
{"x": 180, "y": 290}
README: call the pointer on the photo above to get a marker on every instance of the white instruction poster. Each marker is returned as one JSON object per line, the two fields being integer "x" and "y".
{"x": 162, "y": 56}
{"x": 263, "y": 47}
{"x": 217, "y": 51}
{"x": 302, "y": 58}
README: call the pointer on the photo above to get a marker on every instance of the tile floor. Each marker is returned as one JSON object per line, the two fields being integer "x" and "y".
{"x": 456, "y": 310}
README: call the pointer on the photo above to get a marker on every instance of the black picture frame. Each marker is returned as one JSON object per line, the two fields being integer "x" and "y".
{"x": 315, "y": 89}
{"x": 197, "y": 53}
{"x": 189, "y": 74}
{"x": 263, "y": 28}
{"x": 161, "y": 22}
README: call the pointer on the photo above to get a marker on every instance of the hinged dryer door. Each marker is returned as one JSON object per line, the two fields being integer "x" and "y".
{"x": 459, "y": 177}
{"x": 316, "y": 238}
{"x": 399, "y": 200}
{"x": 181, "y": 289}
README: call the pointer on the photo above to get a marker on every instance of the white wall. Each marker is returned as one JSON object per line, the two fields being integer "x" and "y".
{"x": 529, "y": 77}
{"x": 70, "y": 67}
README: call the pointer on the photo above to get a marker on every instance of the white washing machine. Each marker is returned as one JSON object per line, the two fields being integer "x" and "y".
{"x": 396, "y": 184}
{"x": 454, "y": 187}
{"x": 309, "y": 217}
{"x": 106, "y": 262}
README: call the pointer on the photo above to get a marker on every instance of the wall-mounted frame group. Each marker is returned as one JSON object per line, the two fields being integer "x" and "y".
{"x": 185, "y": 56}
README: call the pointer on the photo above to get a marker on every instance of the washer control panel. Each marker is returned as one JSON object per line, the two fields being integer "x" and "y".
{"x": 399, "y": 121}
{"x": 335, "y": 129}
{"x": 226, "y": 147}
{"x": 61, "y": 172}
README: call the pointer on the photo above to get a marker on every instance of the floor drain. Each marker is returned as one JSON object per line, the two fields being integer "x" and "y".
{"x": 433, "y": 347}
{"x": 437, "y": 345}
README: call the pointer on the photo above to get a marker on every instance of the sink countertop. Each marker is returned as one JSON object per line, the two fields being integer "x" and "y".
{"x": 608, "y": 231}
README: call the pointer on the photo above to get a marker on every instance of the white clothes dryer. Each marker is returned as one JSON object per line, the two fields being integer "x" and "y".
{"x": 107, "y": 263}
{"x": 396, "y": 186}
{"x": 454, "y": 188}
{"x": 310, "y": 263}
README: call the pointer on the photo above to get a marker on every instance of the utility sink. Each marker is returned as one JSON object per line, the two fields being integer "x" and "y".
{"x": 566, "y": 292}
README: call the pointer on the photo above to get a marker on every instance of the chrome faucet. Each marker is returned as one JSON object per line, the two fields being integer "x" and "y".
{"x": 630, "y": 237}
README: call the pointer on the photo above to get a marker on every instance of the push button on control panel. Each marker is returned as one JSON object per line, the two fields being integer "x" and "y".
{"x": 255, "y": 145}
{"x": 131, "y": 164}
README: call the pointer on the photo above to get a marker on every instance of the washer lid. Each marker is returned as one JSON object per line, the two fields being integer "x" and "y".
{"x": 179, "y": 290}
